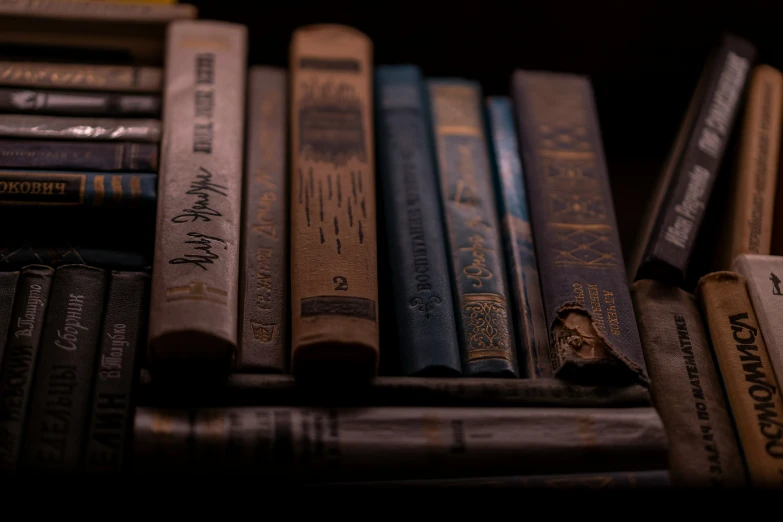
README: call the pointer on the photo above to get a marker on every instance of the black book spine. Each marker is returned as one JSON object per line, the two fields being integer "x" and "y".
{"x": 62, "y": 387}
{"x": 79, "y": 155}
{"x": 115, "y": 377}
{"x": 669, "y": 250}
{"x": 7, "y": 290}
{"x": 18, "y": 366}
{"x": 35, "y": 101}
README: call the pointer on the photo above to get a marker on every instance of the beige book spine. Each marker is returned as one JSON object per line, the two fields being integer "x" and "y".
{"x": 755, "y": 178}
{"x": 82, "y": 76}
{"x": 334, "y": 285}
{"x": 748, "y": 377}
{"x": 195, "y": 279}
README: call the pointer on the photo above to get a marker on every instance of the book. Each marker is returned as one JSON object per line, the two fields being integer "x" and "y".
{"x": 87, "y": 156}
{"x": 17, "y": 254}
{"x": 76, "y": 77}
{"x": 421, "y": 288}
{"x": 96, "y": 11}
{"x": 345, "y": 444}
{"x": 195, "y": 278}
{"x": 748, "y": 377}
{"x": 590, "y": 317}
{"x": 33, "y": 126}
{"x": 521, "y": 264}
{"x": 28, "y": 101}
{"x": 334, "y": 279}
{"x": 19, "y": 361}
{"x": 480, "y": 287}
{"x": 263, "y": 272}
{"x": 687, "y": 388}
{"x": 8, "y": 280}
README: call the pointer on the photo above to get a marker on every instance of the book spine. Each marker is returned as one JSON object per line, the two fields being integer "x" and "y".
{"x": 111, "y": 417}
{"x": 18, "y": 255}
{"x": 284, "y": 390}
{"x": 486, "y": 330}
{"x": 763, "y": 275}
{"x": 331, "y": 444}
{"x": 334, "y": 280}
{"x": 61, "y": 392}
{"x": 750, "y": 216}
{"x": 195, "y": 279}
{"x": 19, "y": 361}
{"x": 33, "y": 126}
{"x": 8, "y": 280}
{"x": 687, "y": 388}
{"x": 263, "y": 273}
{"x": 592, "y": 325}
{"x": 424, "y": 308}
{"x": 81, "y": 76}
{"x": 669, "y": 251}
{"x": 521, "y": 263}
{"x": 97, "y": 12}
{"x": 77, "y": 104}
{"x": 748, "y": 377}
{"x": 78, "y": 155}
{"x": 82, "y": 189}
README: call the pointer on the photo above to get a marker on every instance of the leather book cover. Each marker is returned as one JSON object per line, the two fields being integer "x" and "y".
{"x": 666, "y": 252}
{"x": 19, "y": 361}
{"x": 90, "y": 156}
{"x": 763, "y": 275}
{"x": 195, "y": 278}
{"x": 78, "y": 77}
{"x": 334, "y": 276}
{"x": 748, "y": 377}
{"x": 687, "y": 388}
{"x": 27, "y": 101}
{"x": 8, "y": 281}
{"x": 15, "y": 255}
{"x": 34, "y": 126}
{"x": 342, "y": 444}
{"x": 263, "y": 272}
{"x": 421, "y": 286}
{"x": 521, "y": 263}
{"x": 122, "y": 339}
{"x": 591, "y": 322}
{"x": 77, "y": 189}
{"x": 481, "y": 292}
{"x": 61, "y": 394}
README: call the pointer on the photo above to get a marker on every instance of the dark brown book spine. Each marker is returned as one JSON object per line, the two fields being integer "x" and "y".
{"x": 19, "y": 361}
{"x": 7, "y": 291}
{"x": 124, "y": 325}
{"x": 62, "y": 387}
{"x": 79, "y": 155}
{"x": 263, "y": 272}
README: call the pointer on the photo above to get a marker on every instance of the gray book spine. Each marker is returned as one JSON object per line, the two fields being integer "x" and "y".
{"x": 71, "y": 128}
{"x": 7, "y": 290}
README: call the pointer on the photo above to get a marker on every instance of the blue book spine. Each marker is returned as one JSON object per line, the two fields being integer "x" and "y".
{"x": 485, "y": 325}
{"x": 524, "y": 283}
{"x": 424, "y": 308}
{"x": 77, "y": 189}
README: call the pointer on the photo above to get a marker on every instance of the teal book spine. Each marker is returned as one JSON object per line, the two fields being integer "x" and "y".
{"x": 77, "y": 189}
{"x": 522, "y": 266}
{"x": 486, "y": 331}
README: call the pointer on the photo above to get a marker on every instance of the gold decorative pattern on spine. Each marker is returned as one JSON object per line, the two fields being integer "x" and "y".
{"x": 116, "y": 188}
{"x": 485, "y": 318}
{"x": 97, "y": 183}
{"x": 135, "y": 188}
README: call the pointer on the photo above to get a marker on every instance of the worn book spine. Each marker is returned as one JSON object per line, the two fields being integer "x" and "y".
{"x": 61, "y": 394}
{"x": 687, "y": 388}
{"x": 647, "y": 479}
{"x": 283, "y": 390}
{"x": 334, "y": 280}
{"x": 27, "y": 101}
{"x": 749, "y": 218}
{"x": 332, "y": 444}
{"x": 521, "y": 263}
{"x": 17, "y": 255}
{"x": 748, "y": 377}
{"x": 8, "y": 280}
{"x": 77, "y": 189}
{"x": 19, "y": 361}
{"x": 668, "y": 249}
{"x": 263, "y": 272}
{"x": 424, "y": 308}
{"x": 195, "y": 279}
{"x": 763, "y": 275}
{"x": 111, "y": 417}
{"x": 97, "y": 12}
{"x": 33, "y": 126}
{"x": 481, "y": 293}
{"x": 81, "y": 76}
{"x": 79, "y": 155}
{"x": 591, "y": 322}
